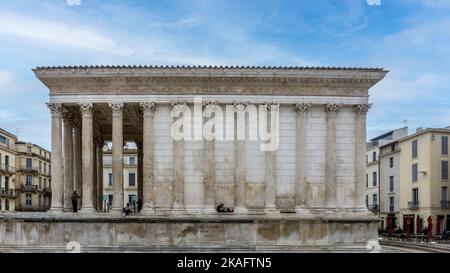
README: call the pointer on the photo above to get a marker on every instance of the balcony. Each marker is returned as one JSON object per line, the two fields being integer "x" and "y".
{"x": 445, "y": 204}
{"x": 47, "y": 190}
{"x": 413, "y": 205}
{"x": 7, "y": 193}
{"x": 6, "y": 169}
{"x": 28, "y": 188}
{"x": 28, "y": 169}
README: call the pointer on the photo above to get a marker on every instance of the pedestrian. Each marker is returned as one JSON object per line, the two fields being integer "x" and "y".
{"x": 139, "y": 204}
{"x": 75, "y": 198}
{"x": 127, "y": 209}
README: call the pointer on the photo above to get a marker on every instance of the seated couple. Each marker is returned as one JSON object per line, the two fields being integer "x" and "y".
{"x": 222, "y": 209}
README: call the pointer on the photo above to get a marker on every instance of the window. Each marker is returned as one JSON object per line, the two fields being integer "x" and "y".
{"x": 40, "y": 152}
{"x": 374, "y": 156}
{"x": 391, "y": 162}
{"x": 367, "y": 180}
{"x": 414, "y": 149}
{"x": 415, "y": 196}
{"x": 29, "y": 149}
{"x": 45, "y": 167}
{"x": 444, "y": 194}
{"x": 29, "y": 163}
{"x": 374, "y": 199}
{"x": 28, "y": 200}
{"x": 40, "y": 182}
{"x": 29, "y": 180}
{"x": 40, "y": 166}
{"x": 391, "y": 183}
{"x": 444, "y": 170}
{"x": 132, "y": 160}
{"x": 6, "y": 161}
{"x": 444, "y": 145}
{"x": 6, "y": 204}
{"x": 414, "y": 172}
{"x": 6, "y": 182}
{"x": 392, "y": 147}
{"x": 391, "y": 203}
{"x": 40, "y": 200}
{"x": 3, "y": 140}
{"x": 109, "y": 179}
{"x": 367, "y": 201}
{"x": 45, "y": 183}
{"x": 374, "y": 179}
{"x": 131, "y": 179}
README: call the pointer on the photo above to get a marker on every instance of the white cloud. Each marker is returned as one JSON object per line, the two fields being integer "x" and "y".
{"x": 73, "y": 2}
{"x": 5, "y": 78}
{"x": 436, "y": 3}
{"x": 59, "y": 34}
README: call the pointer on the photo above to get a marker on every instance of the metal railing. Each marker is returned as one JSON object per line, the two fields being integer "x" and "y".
{"x": 445, "y": 204}
{"x": 25, "y": 187}
{"x": 391, "y": 208}
{"x": 413, "y": 205}
{"x": 7, "y": 192}
{"x": 373, "y": 208}
{"x": 27, "y": 168}
{"x": 7, "y": 168}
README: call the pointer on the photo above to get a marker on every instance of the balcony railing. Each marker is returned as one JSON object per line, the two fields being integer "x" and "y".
{"x": 28, "y": 168}
{"x": 413, "y": 205}
{"x": 29, "y": 188}
{"x": 445, "y": 204}
{"x": 7, "y": 192}
{"x": 7, "y": 168}
{"x": 391, "y": 208}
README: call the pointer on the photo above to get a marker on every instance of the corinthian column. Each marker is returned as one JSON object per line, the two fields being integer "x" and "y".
{"x": 178, "y": 158}
{"x": 87, "y": 136}
{"x": 360, "y": 161}
{"x": 117, "y": 155}
{"x": 300, "y": 155}
{"x": 77, "y": 186}
{"x": 209, "y": 170}
{"x": 100, "y": 143}
{"x": 239, "y": 162}
{"x": 330, "y": 155}
{"x": 271, "y": 166}
{"x": 57, "y": 160}
{"x": 148, "y": 154}
{"x": 68, "y": 167}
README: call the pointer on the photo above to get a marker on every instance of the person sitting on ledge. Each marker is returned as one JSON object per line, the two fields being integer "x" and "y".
{"x": 222, "y": 209}
{"x": 127, "y": 209}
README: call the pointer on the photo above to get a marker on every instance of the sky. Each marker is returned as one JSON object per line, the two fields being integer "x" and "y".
{"x": 410, "y": 38}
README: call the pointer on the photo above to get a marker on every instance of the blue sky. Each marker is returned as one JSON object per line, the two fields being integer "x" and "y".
{"x": 411, "y": 38}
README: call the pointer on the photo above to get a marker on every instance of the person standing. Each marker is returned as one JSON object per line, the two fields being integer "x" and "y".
{"x": 75, "y": 198}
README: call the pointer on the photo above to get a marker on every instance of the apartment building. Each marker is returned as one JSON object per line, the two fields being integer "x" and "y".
{"x": 7, "y": 171}
{"x": 33, "y": 172}
{"x": 130, "y": 173}
{"x": 424, "y": 179}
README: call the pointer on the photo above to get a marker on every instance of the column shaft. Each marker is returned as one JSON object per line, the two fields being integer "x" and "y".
{"x": 301, "y": 154}
{"x": 77, "y": 179}
{"x": 178, "y": 164}
{"x": 117, "y": 156}
{"x": 360, "y": 159}
{"x": 87, "y": 136}
{"x": 57, "y": 160}
{"x": 100, "y": 175}
{"x": 68, "y": 164}
{"x": 270, "y": 166}
{"x": 209, "y": 171}
{"x": 239, "y": 160}
{"x": 148, "y": 153}
{"x": 330, "y": 160}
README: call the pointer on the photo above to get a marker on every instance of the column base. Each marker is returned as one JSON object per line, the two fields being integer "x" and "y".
{"x": 271, "y": 209}
{"x": 241, "y": 210}
{"x": 87, "y": 210}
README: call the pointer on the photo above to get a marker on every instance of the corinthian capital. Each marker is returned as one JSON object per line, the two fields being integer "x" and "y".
{"x": 272, "y": 106}
{"x": 55, "y": 108}
{"x": 302, "y": 107}
{"x": 239, "y": 106}
{"x": 178, "y": 106}
{"x": 67, "y": 118}
{"x": 332, "y": 107}
{"x": 147, "y": 107}
{"x": 117, "y": 108}
{"x": 209, "y": 107}
{"x": 362, "y": 108}
{"x": 86, "y": 109}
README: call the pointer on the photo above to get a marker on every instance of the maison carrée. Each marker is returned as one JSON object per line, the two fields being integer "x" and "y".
{"x": 305, "y": 195}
